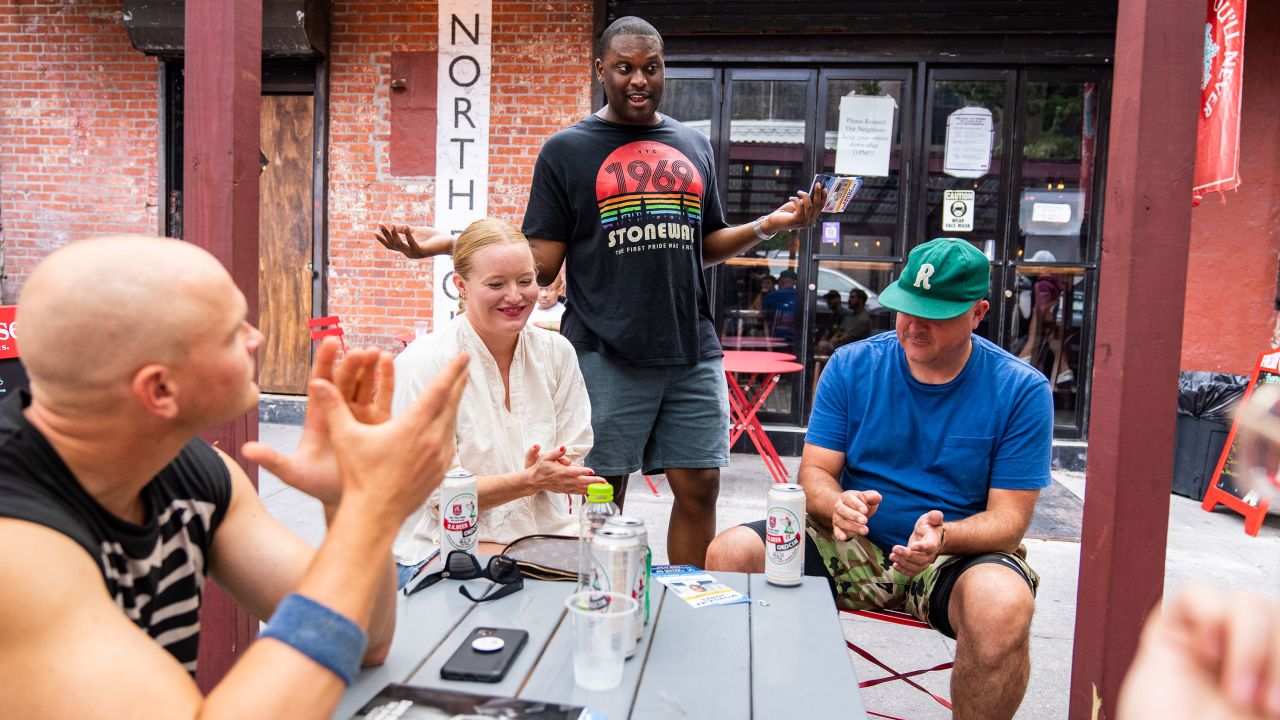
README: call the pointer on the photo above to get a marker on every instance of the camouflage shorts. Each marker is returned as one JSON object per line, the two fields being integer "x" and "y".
{"x": 864, "y": 578}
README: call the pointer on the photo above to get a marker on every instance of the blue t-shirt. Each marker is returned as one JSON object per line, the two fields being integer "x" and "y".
{"x": 932, "y": 447}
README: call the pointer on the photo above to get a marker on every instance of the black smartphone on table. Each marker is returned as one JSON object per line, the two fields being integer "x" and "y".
{"x": 485, "y": 655}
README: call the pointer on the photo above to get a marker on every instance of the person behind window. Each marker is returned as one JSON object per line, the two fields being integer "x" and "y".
{"x": 779, "y": 307}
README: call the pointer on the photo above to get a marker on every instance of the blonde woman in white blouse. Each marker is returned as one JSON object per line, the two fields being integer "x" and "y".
{"x": 524, "y": 423}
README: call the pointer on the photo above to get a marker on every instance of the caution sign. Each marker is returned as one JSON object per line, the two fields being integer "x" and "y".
{"x": 957, "y": 210}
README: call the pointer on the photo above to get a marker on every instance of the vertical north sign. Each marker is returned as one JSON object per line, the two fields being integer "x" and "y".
{"x": 462, "y": 132}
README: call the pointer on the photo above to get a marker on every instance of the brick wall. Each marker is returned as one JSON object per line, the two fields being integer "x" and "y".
{"x": 78, "y": 134}
{"x": 540, "y": 84}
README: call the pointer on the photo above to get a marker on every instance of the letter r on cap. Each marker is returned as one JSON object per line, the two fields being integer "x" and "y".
{"x": 922, "y": 277}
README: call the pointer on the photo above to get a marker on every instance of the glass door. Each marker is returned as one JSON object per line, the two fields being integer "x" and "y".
{"x": 1048, "y": 311}
{"x": 764, "y": 158}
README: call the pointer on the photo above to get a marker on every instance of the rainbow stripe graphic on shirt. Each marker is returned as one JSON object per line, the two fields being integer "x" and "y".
{"x": 649, "y": 193}
{"x": 638, "y": 206}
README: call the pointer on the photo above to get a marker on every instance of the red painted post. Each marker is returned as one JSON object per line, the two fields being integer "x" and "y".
{"x": 223, "y": 93}
{"x": 1146, "y": 234}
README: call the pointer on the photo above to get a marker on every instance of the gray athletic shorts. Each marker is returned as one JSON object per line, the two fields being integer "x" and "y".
{"x": 652, "y": 418}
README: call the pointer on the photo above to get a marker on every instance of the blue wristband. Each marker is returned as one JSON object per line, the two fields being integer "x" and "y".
{"x": 321, "y": 634}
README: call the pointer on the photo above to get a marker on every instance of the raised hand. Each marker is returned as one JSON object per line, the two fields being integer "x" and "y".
{"x": 800, "y": 210}
{"x": 852, "y": 511}
{"x": 923, "y": 547}
{"x": 313, "y": 468}
{"x": 389, "y": 469}
{"x": 553, "y": 472}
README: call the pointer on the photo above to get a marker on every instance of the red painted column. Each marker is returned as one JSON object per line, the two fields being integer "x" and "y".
{"x": 223, "y": 94}
{"x": 1146, "y": 233}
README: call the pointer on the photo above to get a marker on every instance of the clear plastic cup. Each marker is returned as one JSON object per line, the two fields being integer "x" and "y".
{"x": 421, "y": 328}
{"x": 602, "y": 625}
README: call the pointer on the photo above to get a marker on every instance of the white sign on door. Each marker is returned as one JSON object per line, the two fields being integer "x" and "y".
{"x": 957, "y": 210}
{"x": 865, "y": 136}
{"x": 969, "y": 142}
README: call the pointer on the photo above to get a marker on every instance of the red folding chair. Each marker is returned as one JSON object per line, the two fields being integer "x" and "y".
{"x": 897, "y": 618}
{"x": 327, "y": 327}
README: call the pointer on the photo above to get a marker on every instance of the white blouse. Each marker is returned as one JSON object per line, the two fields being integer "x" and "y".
{"x": 549, "y": 407}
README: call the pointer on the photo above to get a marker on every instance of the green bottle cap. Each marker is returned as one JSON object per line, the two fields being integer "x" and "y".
{"x": 601, "y": 492}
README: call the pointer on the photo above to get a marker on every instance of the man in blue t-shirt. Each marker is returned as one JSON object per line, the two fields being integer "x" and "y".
{"x": 925, "y": 454}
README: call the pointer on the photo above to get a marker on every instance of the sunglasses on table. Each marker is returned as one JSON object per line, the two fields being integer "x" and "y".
{"x": 460, "y": 565}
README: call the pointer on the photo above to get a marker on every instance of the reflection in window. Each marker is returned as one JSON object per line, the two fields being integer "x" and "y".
{"x": 1059, "y": 142}
{"x": 1044, "y": 330}
{"x": 689, "y": 101}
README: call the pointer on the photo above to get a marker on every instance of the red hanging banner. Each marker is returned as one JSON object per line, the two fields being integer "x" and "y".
{"x": 1218, "y": 135}
{"x": 8, "y": 332}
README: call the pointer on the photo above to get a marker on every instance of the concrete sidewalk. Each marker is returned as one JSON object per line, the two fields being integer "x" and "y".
{"x": 1205, "y": 547}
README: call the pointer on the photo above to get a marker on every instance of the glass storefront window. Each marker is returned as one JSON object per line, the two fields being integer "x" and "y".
{"x": 848, "y": 309}
{"x": 688, "y": 99}
{"x": 869, "y": 226}
{"x": 1058, "y": 149}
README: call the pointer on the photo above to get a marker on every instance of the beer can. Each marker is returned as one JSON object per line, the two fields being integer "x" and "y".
{"x": 459, "y": 510}
{"x": 784, "y": 535}
{"x": 617, "y": 562}
{"x": 643, "y": 579}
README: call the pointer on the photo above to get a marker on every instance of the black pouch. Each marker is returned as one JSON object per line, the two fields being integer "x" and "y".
{"x": 545, "y": 557}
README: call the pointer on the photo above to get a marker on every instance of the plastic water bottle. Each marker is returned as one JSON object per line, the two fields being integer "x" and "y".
{"x": 598, "y": 508}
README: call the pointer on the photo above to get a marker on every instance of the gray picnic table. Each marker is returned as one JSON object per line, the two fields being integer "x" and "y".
{"x": 781, "y": 655}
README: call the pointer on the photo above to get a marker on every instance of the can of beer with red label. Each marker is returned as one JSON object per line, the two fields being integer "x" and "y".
{"x": 616, "y": 564}
{"x": 784, "y": 535}
{"x": 640, "y": 591}
{"x": 459, "y": 510}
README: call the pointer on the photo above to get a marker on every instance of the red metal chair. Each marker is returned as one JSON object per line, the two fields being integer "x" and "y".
{"x": 897, "y": 618}
{"x": 326, "y": 327}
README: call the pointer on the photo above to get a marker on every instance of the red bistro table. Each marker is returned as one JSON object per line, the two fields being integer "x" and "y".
{"x": 770, "y": 366}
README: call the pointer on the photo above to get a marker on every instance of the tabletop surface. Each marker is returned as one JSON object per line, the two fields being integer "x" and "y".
{"x": 781, "y": 655}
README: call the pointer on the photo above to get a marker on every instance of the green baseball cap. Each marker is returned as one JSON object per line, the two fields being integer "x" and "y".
{"x": 943, "y": 278}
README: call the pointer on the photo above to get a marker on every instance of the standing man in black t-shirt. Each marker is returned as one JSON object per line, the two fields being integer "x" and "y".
{"x": 628, "y": 198}
{"x": 114, "y": 514}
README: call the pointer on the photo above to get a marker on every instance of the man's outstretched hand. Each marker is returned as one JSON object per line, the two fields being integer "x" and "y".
{"x": 922, "y": 549}
{"x": 799, "y": 211}
{"x": 400, "y": 238}
{"x": 414, "y": 244}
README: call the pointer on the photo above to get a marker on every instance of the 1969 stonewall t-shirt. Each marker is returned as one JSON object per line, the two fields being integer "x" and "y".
{"x": 632, "y": 203}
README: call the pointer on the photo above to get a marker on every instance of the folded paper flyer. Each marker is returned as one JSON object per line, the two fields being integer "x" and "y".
{"x": 696, "y": 586}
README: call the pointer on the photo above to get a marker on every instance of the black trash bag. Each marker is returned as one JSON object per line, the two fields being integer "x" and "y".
{"x": 1209, "y": 395}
